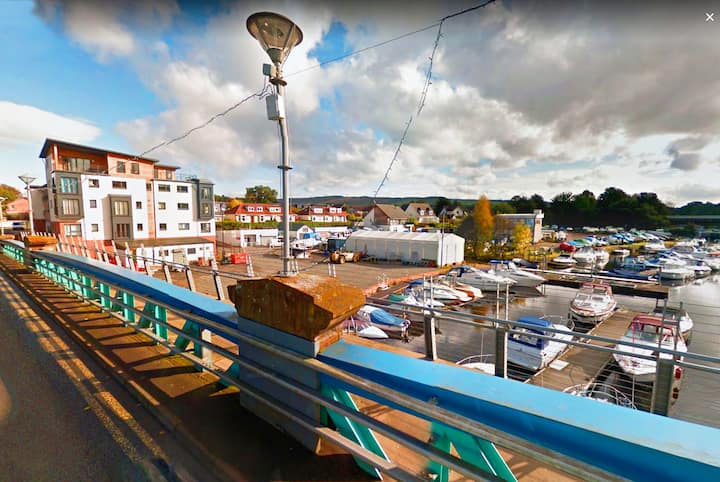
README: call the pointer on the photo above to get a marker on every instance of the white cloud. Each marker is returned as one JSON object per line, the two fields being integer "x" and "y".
{"x": 524, "y": 98}
{"x": 21, "y": 124}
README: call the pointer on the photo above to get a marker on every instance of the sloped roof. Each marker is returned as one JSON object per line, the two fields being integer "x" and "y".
{"x": 392, "y": 212}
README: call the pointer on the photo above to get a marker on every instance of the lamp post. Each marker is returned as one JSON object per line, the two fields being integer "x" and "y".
{"x": 2, "y": 219}
{"x": 27, "y": 179}
{"x": 277, "y": 36}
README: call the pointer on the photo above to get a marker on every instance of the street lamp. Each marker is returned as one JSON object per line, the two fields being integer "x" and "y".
{"x": 27, "y": 179}
{"x": 277, "y": 36}
{"x": 2, "y": 219}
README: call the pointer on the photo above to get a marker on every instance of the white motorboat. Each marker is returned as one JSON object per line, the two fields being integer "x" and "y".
{"x": 602, "y": 392}
{"x": 585, "y": 256}
{"x": 479, "y": 362}
{"x": 620, "y": 252}
{"x": 563, "y": 261}
{"x": 510, "y": 270}
{"x": 412, "y": 298}
{"x": 675, "y": 316}
{"x": 700, "y": 269}
{"x": 593, "y": 303}
{"x": 439, "y": 291}
{"x": 601, "y": 257}
{"x": 453, "y": 282}
{"x": 651, "y": 332}
{"x": 534, "y": 347}
{"x": 670, "y": 269}
{"x": 382, "y": 319}
{"x": 365, "y": 329}
{"x": 652, "y": 247}
{"x": 479, "y": 278}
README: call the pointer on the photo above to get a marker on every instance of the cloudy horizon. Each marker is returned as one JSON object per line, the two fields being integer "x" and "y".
{"x": 527, "y": 97}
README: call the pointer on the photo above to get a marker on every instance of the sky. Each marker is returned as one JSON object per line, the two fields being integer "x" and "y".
{"x": 525, "y": 97}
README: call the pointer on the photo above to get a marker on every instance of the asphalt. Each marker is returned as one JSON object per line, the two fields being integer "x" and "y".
{"x": 221, "y": 440}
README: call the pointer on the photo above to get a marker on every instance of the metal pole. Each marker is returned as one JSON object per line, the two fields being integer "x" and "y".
{"x": 285, "y": 167}
{"x": 32, "y": 224}
{"x": 2, "y": 219}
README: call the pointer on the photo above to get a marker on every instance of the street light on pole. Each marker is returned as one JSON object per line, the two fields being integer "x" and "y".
{"x": 27, "y": 179}
{"x": 277, "y": 36}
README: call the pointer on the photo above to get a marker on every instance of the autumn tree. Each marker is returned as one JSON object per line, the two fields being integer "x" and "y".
{"x": 260, "y": 194}
{"x": 9, "y": 193}
{"x": 484, "y": 224}
{"x": 521, "y": 236}
{"x": 233, "y": 203}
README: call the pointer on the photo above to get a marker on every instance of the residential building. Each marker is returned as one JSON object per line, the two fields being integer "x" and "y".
{"x": 452, "y": 214}
{"x": 422, "y": 213}
{"x": 104, "y": 196}
{"x": 16, "y": 207}
{"x": 254, "y": 213}
{"x": 323, "y": 214}
{"x": 220, "y": 207}
{"x": 505, "y": 224}
{"x": 385, "y": 217}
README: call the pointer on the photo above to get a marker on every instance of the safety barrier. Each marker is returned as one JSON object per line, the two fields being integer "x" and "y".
{"x": 289, "y": 382}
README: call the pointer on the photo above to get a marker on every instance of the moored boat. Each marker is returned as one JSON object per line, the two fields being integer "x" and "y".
{"x": 593, "y": 303}
{"x": 479, "y": 278}
{"x": 534, "y": 347}
{"x": 382, "y": 319}
{"x": 510, "y": 270}
{"x": 562, "y": 261}
{"x": 650, "y": 332}
{"x": 677, "y": 316}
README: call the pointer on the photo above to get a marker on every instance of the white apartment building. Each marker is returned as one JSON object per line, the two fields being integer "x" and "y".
{"x": 106, "y": 196}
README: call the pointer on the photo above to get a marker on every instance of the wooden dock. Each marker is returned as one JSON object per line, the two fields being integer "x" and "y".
{"x": 619, "y": 286}
{"x": 581, "y": 364}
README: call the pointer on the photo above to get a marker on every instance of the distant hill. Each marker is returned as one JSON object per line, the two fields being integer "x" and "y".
{"x": 362, "y": 201}
{"x": 698, "y": 208}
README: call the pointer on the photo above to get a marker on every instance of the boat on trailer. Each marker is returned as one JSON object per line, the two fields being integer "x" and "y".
{"x": 593, "y": 303}
{"x": 382, "y": 319}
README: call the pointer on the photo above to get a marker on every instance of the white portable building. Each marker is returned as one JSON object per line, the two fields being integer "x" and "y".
{"x": 416, "y": 248}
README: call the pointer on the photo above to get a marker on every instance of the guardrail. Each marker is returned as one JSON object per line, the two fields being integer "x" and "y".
{"x": 290, "y": 383}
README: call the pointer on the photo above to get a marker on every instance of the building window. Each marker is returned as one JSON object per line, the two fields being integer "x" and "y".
{"x": 139, "y": 227}
{"x": 205, "y": 193}
{"x": 122, "y": 230}
{"x": 94, "y": 228}
{"x": 119, "y": 185}
{"x": 148, "y": 187}
{"x": 120, "y": 167}
{"x": 76, "y": 164}
{"x": 161, "y": 206}
{"x": 93, "y": 203}
{"x": 204, "y": 227}
{"x": 164, "y": 187}
{"x": 183, "y": 226}
{"x": 94, "y": 182}
{"x": 163, "y": 227}
{"x": 191, "y": 251}
{"x": 69, "y": 185}
{"x": 205, "y": 209}
{"x": 166, "y": 252}
{"x": 73, "y": 230}
{"x": 135, "y": 168}
{"x": 181, "y": 188}
{"x": 70, "y": 207}
{"x": 183, "y": 206}
{"x": 138, "y": 204}
{"x": 251, "y": 209}
{"x": 121, "y": 208}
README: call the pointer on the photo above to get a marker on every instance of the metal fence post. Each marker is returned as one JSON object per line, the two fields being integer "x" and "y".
{"x": 662, "y": 388}
{"x": 166, "y": 271}
{"x": 501, "y": 352}
{"x": 190, "y": 279}
{"x": 430, "y": 339}
{"x": 218, "y": 282}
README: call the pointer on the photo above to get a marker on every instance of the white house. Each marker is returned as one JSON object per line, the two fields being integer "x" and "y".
{"x": 422, "y": 212}
{"x": 505, "y": 223}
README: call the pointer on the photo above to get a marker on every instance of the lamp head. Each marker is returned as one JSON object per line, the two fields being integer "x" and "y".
{"x": 27, "y": 179}
{"x": 276, "y": 33}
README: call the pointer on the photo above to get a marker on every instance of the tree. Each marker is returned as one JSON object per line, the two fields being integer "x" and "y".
{"x": 233, "y": 203}
{"x": 260, "y": 194}
{"x": 502, "y": 208}
{"x": 9, "y": 193}
{"x": 521, "y": 236}
{"x": 441, "y": 203}
{"x": 484, "y": 224}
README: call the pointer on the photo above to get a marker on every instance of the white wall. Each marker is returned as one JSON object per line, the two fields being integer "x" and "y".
{"x": 172, "y": 216}
{"x": 101, "y": 215}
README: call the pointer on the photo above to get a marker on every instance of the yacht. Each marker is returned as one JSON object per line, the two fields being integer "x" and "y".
{"x": 651, "y": 332}
{"x": 479, "y": 278}
{"x": 593, "y": 303}
{"x": 510, "y": 270}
